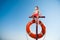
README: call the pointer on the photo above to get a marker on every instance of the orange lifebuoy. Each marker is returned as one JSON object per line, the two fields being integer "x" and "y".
{"x": 43, "y": 31}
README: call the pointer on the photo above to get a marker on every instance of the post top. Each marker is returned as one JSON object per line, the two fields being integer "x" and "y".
{"x": 35, "y": 17}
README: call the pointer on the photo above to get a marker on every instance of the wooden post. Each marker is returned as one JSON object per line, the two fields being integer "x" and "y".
{"x": 36, "y": 28}
{"x": 37, "y": 24}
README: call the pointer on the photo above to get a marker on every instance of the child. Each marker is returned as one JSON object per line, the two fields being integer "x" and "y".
{"x": 36, "y": 12}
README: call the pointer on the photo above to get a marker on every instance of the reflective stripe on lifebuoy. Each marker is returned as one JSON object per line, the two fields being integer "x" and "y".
{"x": 43, "y": 31}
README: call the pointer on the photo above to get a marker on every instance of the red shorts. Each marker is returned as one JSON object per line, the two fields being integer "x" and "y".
{"x": 36, "y": 15}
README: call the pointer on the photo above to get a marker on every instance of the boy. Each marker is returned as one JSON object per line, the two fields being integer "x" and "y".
{"x": 36, "y": 14}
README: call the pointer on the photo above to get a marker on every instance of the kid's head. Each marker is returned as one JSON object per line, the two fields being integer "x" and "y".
{"x": 36, "y": 8}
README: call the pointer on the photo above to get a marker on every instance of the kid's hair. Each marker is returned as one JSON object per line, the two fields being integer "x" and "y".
{"x": 37, "y": 6}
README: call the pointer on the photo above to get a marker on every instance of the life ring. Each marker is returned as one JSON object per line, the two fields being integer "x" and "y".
{"x": 40, "y": 35}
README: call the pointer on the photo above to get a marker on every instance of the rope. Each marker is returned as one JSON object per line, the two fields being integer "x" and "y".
{"x": 26, "y": 36}
{"x": 44, "y": 37}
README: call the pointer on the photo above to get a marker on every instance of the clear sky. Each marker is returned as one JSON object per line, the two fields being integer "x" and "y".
{"x": 14, "y": 17}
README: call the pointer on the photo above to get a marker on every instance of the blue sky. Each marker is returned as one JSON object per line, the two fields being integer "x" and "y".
{"x": 14, "y": 17}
